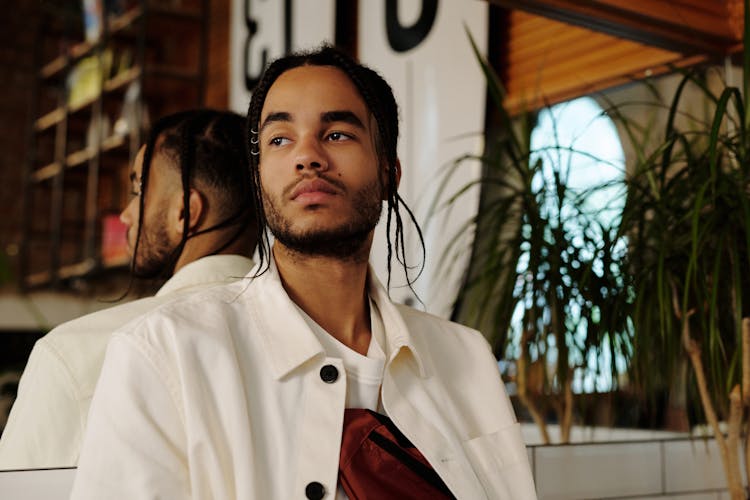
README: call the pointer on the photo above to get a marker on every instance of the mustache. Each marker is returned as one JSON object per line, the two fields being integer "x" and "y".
{"x": 330, "y": 180}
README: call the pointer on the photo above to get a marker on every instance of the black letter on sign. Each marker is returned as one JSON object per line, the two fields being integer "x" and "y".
{"x": 403, "y": 38}
{"x": 252, "y": 29}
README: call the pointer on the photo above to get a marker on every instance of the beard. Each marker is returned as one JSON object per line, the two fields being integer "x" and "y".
{"x": 347, "y": 241}
{"x": 154, "y": 254}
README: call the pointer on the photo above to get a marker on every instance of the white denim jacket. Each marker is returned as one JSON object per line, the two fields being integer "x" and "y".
{"x": 47, "y": 421}
{"x": 219, "y": 396}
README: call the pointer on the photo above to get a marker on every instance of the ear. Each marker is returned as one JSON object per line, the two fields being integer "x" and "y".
{"x": 397, "y": 167}
{"x": 197, "y": 211}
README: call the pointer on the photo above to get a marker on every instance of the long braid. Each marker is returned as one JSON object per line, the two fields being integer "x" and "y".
{"x": 383, "y": 107}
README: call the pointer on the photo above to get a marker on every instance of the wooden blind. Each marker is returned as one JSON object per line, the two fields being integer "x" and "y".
{"x": 556, "y": 50}
{"x": 547, "y": 61}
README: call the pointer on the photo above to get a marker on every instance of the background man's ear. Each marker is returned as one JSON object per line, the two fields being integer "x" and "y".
{"x": 198, "y": 208}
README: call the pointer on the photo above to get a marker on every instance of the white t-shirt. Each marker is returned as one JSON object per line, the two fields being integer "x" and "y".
{"x": 364, "y": 374}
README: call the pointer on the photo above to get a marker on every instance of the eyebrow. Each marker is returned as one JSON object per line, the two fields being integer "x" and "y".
{"x": 279, "y": 116}
{"x": 341, "y": 116}
{"x": 344, "y": 116}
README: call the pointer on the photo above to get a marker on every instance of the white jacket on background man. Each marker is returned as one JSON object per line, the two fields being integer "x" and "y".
{"x": 47, "y": 421}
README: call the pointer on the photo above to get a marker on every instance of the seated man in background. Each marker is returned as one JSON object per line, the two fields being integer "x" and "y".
{"x": 190, "y": 218}
{"x": 305, "y": 380}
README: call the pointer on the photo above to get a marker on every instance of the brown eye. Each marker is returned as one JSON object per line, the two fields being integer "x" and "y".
{"x": 278, "y": 141}
{"x": 338, "y": 136}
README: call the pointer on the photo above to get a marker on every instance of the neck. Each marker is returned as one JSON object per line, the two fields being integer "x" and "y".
{"x": 332, "y": 291}
{"x": 208, "y": 243}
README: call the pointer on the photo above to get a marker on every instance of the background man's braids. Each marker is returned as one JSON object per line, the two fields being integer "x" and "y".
{"x": 207, "y": 146}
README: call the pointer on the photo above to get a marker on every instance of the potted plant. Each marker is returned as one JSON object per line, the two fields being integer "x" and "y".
{"x": 687, "y": 220}
{"x": 543, "y": 285}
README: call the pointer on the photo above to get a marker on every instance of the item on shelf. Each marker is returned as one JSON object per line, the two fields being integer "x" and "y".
{"x": 86, "y": 78}
{"x": 92, "y": 19}
{"x": 124, "y": 62}
{"x": 114, "y": 241}
{"x": 99, "y": 129}
{"x": 134, "y": 112}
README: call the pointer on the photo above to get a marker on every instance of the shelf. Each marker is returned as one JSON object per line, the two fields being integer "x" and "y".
{"x": 77, "y": 158}
{"x": 116, "y": 25}
{"x": 50, "y": 119}
{"x": 122, "y": 79}
{"x": 76, "y": 270}
{"x": 38, "y": 279}
{"x": 46, "y": 172}
{"x": 65, "y": 272}
{"x": 112, "y": 142}
{"x": 114, "y": 84}
{"x": 125, "y": 20}
{"x": 164, "y": 49}
{"x": 82, "y": 156}
{"x": 82, "y": 49}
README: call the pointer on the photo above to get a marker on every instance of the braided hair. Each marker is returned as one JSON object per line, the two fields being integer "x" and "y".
{"x": 207, "y": 146}
{"x": 380, "y": 102}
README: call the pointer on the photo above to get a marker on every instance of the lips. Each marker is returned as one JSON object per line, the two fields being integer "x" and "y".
{"x": 313, "y": 186}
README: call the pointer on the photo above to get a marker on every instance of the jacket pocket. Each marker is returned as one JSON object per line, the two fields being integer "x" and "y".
{"x": 501, "y": 464}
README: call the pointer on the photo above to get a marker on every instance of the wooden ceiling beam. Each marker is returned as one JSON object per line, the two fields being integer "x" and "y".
{"x": 686, "y": 26}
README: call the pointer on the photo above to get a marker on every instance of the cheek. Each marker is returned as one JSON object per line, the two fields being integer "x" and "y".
{"x": 270, "y": 181}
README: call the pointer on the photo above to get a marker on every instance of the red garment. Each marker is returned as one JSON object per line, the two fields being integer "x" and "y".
{"x": 377, "y": 461}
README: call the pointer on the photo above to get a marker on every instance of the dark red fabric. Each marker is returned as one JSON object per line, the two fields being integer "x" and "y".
{"x": 377, "y": 461}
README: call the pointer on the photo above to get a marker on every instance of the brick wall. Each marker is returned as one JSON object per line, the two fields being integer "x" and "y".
{"x": 17, "y": 27}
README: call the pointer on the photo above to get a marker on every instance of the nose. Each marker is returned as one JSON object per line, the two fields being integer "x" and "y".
{"x": 310, "y": 155}
{"x": 128, "y": 216}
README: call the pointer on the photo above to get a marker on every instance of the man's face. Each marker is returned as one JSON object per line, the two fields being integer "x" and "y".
{"x": 156, "y": 242}
{"x": 322, "y": 184}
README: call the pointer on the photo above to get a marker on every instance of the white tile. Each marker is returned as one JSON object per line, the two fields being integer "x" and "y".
{"x": 52, "y": 484}
{"x": 688, "y": 496}
{"x": 693, "y": 465}
{"x": 598, "y": 471}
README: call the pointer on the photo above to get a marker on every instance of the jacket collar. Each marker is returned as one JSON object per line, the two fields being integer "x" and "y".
{"x": 398, "y": 338}
{"x": 211, "y": 269}
{"x": 288, "y": 340}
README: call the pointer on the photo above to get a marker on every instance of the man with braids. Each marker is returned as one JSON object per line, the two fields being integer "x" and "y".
{"x": 190, "y": 218}
{"x": 305, "y": 380}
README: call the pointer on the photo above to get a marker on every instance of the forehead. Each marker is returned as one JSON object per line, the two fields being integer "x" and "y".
{"x": 138, "y": 162}
{"x": 159, "y": 158}
{"x": 313, "y": 89}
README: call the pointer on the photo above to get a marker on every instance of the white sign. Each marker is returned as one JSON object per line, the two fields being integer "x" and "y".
{"x": 263, "y": 30}
{"x": 421, "y": 48}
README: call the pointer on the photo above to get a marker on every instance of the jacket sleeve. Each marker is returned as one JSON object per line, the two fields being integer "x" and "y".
{"x": 45, "y": 424}
{"x": 134, "y": 445}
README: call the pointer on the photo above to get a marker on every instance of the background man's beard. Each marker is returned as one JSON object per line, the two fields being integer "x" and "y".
{"x": 347, "y": 241}
{"x": 154, "y": 254}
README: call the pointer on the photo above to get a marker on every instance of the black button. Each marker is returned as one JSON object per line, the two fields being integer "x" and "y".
{"x": 315, "y": 490}
{"x": 329, "y": 374}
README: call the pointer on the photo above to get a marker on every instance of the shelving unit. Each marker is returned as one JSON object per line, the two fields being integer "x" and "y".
{"x": 93, "y": 101}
